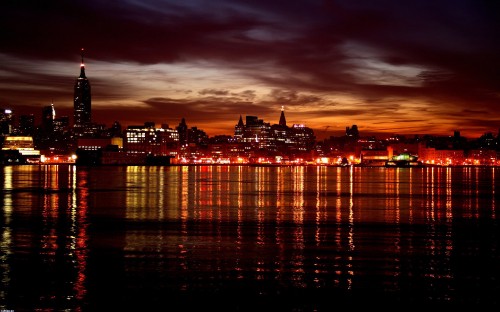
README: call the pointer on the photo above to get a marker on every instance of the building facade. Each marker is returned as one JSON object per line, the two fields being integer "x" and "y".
{"x": 82, "y": 101}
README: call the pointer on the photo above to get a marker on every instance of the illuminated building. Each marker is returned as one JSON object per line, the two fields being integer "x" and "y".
{"x": 6, "y": 120}
{"x": 280, "y": 132}
{"x": 93, "y": 130}
{"x": 22, "y": 144}
{"x": 239, "y": 130}
{"x": 150, "y": 140}
{"x": 301, "y": 138}
{"x": 94, "y": 144}
{"x": 82, "y": 101}
{"x": 261, "y": 138}
{"x": 432, "y": 155}
{"x": 91, "y": 151}
{"x": 481, "y": 157}
{"x": 376, "y": 157}
{"x": 61, "y": 125}
{"x": 282, "y": 117}
{"x": 55, "y": 135}
{"x": 257, "y": 132}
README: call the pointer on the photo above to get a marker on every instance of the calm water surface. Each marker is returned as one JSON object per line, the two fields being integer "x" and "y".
{"x": 247, "y": 238}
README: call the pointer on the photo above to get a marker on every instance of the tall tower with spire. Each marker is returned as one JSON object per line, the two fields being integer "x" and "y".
{"x": 48, "y": 116}
{"x": 282, "y": 117}
{"x": 239, "y": 129}
{"x": 82, "y": 100}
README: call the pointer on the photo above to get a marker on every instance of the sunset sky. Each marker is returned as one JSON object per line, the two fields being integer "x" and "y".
{"x": 390, "y": 67}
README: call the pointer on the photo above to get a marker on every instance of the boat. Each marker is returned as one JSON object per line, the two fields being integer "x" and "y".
{"x": 404, "y": 160}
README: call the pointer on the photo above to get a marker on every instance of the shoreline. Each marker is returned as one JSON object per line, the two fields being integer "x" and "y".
{"x": 248, "y": 165}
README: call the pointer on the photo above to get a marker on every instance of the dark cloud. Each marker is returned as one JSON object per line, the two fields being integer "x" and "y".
{"x": 214, "y": 92}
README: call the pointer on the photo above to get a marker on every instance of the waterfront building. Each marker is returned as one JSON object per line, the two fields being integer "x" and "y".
{"x": 375, "y": 157}
{"x": 94, "y": 144}
{"x": 150, "y": 140}
{"x": 481, "y": 157}
{"x": 22, "y": 145}
{"x": 435, "y": 156}
{"x": 260, "y": 139}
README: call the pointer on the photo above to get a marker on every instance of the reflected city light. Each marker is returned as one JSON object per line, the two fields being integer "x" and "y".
{"x": 191, "y": 228}
{"x": 6, "y": 243}
{"x": 493, "y": 211}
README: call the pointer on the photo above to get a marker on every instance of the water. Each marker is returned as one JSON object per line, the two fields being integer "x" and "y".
{"x": 247, "y": 238}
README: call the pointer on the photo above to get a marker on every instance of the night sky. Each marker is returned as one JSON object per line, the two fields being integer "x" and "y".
{"x": 390, "y": 67}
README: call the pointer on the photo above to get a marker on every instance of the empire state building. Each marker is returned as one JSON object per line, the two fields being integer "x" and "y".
{"x": 82, "y": 101}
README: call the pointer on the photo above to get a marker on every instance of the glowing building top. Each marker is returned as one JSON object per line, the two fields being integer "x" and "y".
{"x": 82, "y": 68}
{"x": 282, "y": 117}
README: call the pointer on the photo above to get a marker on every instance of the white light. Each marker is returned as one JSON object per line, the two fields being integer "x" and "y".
{"x": 8, "y": 111}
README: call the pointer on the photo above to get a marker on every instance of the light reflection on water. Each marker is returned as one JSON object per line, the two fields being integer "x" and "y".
{"x": 137, "y": 233}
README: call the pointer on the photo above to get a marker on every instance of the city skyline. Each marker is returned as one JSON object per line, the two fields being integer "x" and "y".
{"x": 412, "y": 68}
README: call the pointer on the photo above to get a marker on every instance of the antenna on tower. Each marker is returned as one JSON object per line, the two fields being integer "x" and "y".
{"x": 82, "y": 67}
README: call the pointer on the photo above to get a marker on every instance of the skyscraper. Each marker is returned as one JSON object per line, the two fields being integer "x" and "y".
{"x": 6, "y": 121}
{"x": 182, "y": 128}
{"x": 48, "y": 116}
{"x": 82, "y": 100}
{"x": 27, "y": 125}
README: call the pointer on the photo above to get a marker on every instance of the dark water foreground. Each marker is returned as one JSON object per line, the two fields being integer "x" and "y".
{"x": 247, "y": 238}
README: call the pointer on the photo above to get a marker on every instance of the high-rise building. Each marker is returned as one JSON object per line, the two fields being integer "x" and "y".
{"x": 239, "y": 130}
{"x": 281, "y": 131}
{"x": 48, "y": 116}
{"x": 197, "y": 136}
{"x": 27, "y": 125}
{"x": 116, "y": 129}
{"x": 183, "y": 132}
{"x": 60, "y": 125}
{"x": 82, "y": 101}
{"x": 6, "y": 121}
{"x": 352, "y": 132}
